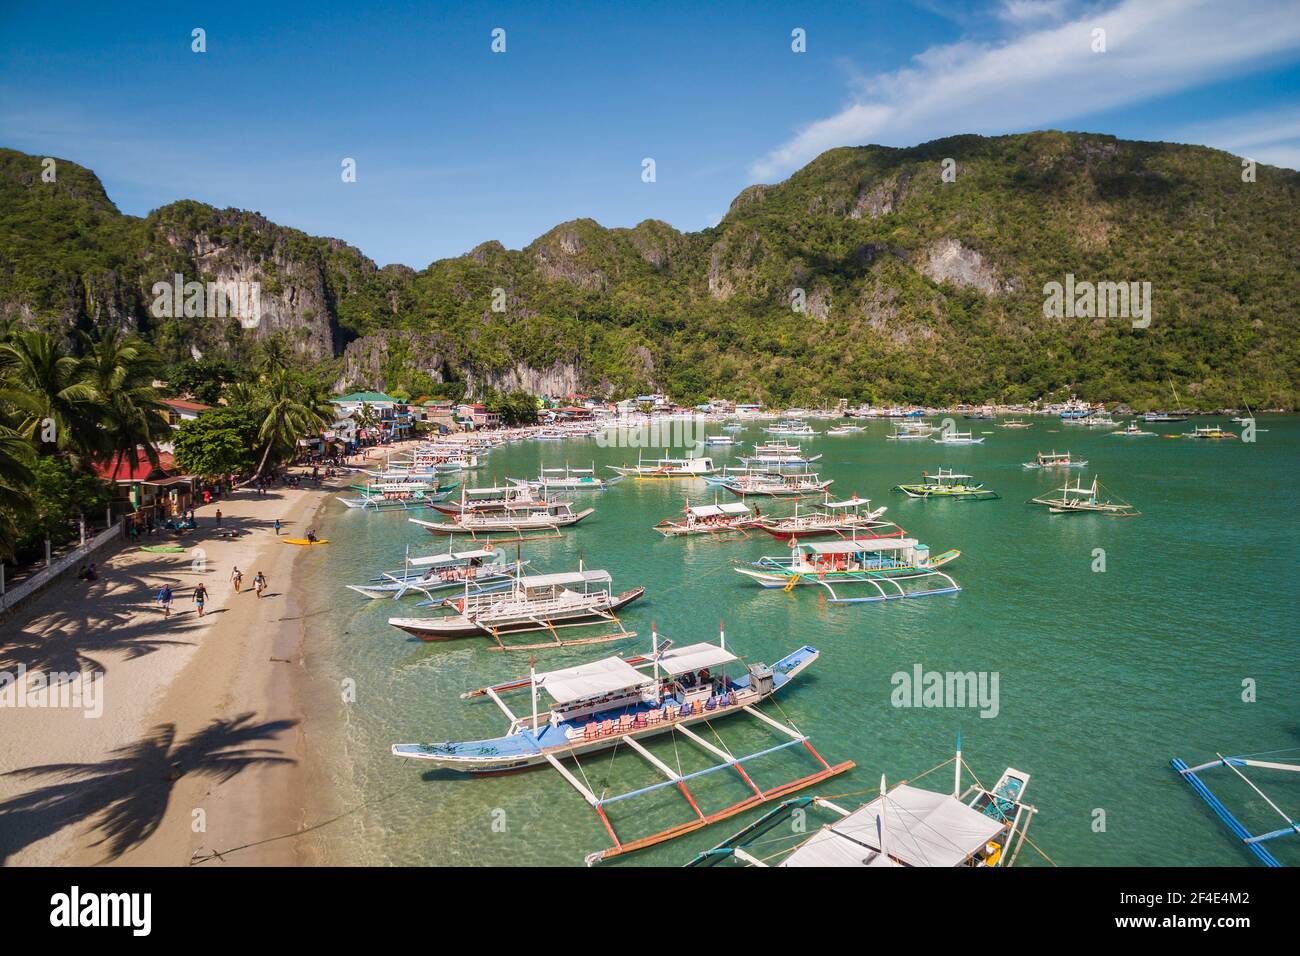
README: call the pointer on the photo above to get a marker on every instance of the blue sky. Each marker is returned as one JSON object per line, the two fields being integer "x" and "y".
{"x": 456, "y": 145}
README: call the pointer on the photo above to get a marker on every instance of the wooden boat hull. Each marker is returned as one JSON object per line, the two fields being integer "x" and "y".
{"x": 457, "y": 626}
{"x": 507, "y": 528}
{"x": 816, "y": 489}
{"x": 851, "y": 530}
{"x": 675, "y": 530}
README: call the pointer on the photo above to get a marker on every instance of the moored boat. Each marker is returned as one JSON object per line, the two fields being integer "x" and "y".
{"x": 616, "y": 702}
{"x": 443, "y": 571}
{"x": 666, "y": 468}
{"x": 786, "y": 485}
{"x": 528, "y": 516}
{"x": 906, "y": 825}
{"x": 538, "y": 602}
{"x": 718, "y": 518}
{"x": 893, "y": 567}
{"x": 1054, "y": 459}
{"x": 852, "y": 516}
{"x": 1076, "y": 499}
{"x": 946, "y": 483}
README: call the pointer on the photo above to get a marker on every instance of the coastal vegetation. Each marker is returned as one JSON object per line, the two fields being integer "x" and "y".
{"x": 69, "y": 414}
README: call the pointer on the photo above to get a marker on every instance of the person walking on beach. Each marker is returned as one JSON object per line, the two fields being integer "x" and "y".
{"x": 218, "y": 517}
{"x": 201, "y": 596}
{"x": 259, "y": 583}
{"x": 236, "y": 578}
{"x": 277, "y": 527}
{"x": 164, "y": 598}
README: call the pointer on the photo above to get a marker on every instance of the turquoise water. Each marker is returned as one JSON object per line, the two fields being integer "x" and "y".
{"x": 1103, "y": 676}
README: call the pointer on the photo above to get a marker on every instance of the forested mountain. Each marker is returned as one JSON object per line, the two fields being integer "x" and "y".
{"x": 914, "y": 288}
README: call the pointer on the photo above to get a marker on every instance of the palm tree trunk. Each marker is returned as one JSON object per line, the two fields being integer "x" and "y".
{"x": 260, "y": 465}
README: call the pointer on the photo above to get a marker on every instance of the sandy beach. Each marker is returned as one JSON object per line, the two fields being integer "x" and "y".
{"x": 203, "y": 752}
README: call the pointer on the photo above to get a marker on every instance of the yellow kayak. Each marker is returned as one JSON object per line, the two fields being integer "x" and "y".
{"x": 305, "y": 541}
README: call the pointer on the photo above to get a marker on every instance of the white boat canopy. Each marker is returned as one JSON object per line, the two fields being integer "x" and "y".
{"x": 856, "y": 547}
{"x": 566, "y": 577}
{"x": 712, "y": 511}
{"x": 923, "y": 828}
{"x": 854, "y": 502}
{"x": 600, "y": 677}
{"x": 450, "y": 558}
{"x": 683, "y": 660}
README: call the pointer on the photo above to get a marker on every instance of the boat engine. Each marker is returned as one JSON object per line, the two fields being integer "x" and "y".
{"x": 760, "y": 678}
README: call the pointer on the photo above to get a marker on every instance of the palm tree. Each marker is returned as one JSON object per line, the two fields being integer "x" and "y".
{"x": 15, "y": 481}
{"x": 43, "y": 384}
{"x": 121, "y": 371}
{"x": 289, "y": 411}
{"x": 273, "y": 356}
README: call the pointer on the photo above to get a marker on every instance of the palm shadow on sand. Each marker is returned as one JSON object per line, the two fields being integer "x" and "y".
{"x": 125, "y": 797}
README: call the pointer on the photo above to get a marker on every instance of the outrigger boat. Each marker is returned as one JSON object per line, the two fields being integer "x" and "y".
{"x": 953, "y": 437}
{"x": 852, "y": 516}
{"x": 730, "y": 472}
{"x": 615, "y": 702}
{"x": 947, "y": 484}
{"x": 1210, "y": 432}
{"x": 1054, "y": 459}
{"x": 1015, "y": 423}
{"x": 1275, "y": 761}
{"x": 845, "y": 430}
{"x": 539, "y": 602}
{"x": 517, "y": 518}
{"x": 439, "y": 572}
{"x": 794, "y": 428}
{"x": 666, "y": 468}
{"x": 394, "y": 495}
{"x": 715, "y": 519}
{"x": 1131, "y": 430}
{"x": 895, "y": 567}
{"x": 905, "y": 826}
{"x": 1076, "y": 499}
{"x": 722, "y": 440}
{"x": 492, "y": 498}
{"x": 568, "y": 479}
{"x": 787, "y": 485}
{"x": 777, "y": 455}
{"x": 911, "y": 431}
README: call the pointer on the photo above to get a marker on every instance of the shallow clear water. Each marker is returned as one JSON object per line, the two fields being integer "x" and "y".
{"x": 1103, "y": 676}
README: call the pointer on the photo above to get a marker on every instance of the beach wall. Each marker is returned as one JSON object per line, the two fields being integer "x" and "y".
{"x": 13, "y": 597}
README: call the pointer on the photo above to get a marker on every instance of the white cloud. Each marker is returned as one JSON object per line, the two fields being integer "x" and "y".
{"x": 1049, "y": 75}
{"x": 1267, "y": 136}
{"x": 1024, "y": 11}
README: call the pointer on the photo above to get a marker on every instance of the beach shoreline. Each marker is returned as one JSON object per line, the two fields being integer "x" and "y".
{"x": 215, "y": 744}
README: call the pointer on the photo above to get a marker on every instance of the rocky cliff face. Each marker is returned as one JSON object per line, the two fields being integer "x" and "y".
{"x": 914, "y": 285}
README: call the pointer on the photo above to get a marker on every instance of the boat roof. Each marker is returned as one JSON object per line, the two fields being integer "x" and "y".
{"x": 567, "y": 577}
{"x": 572, "y": 471}
{"x": 591, "y": 680}
{"x": 711, "y": 511}
{"x": 854, "y": 502}
{"x": 922, "y": 828}
{"x": 450, "y": 557}
{"x": 682, "y": 660}
{"x": 948, "y": 474}
{"x": 856, "y": 547}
